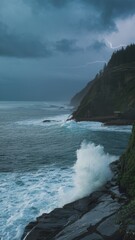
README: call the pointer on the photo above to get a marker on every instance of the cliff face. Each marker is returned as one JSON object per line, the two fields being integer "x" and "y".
{"x": 75, "y": 101}
{"x": 127, "y": 172}
{"x": 112, "y": 92}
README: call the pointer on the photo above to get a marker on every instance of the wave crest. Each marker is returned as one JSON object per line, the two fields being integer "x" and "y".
{"x": 91, "y": 171}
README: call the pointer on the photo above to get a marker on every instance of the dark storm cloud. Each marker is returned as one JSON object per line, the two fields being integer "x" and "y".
{"x": 97, "y": 45}
{"x": 27, "y": 47}
{"x": 67, "y": 46}
{"x": 50, "y": 45}
{"x": 53, "y": 16}
{"x": 45, "y": 3}
{"x": 98, "y": 15}
{"x": 106, "y": 12}
{"x": 112, "y": 8}
{"x": 13, "y": 45}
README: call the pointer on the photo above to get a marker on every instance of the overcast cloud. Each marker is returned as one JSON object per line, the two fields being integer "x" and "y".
{"x": 58, "y": 44}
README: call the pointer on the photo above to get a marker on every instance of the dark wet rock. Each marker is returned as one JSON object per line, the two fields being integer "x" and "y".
{"x": 77, "y": 220}
{"x": 49, "y": 224}
{"x": 93, "y": 236}
{"x": 89, "y": 220}
{"x": 92, "y": 217}
{"x": 131, "y": 228}
{"x": 109, "y": 227}
{"x": 129, "y": 236}
{"x": 130, "y": 232}
{"x": 49, "y": 121}
{"x": 114, "y": 190}
{"x": 46, "y": 121}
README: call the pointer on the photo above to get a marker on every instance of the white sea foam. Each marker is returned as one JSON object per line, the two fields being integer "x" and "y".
{"x": 27, "y": 195}
{"x": 24, "y": 196}
{"x": 50, "y": 121}
{"x": 91, "y": 171}
{"x": 95, "y": 126}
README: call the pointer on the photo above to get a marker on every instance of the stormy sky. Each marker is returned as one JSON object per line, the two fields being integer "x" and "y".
{"x": 49, "y": 49}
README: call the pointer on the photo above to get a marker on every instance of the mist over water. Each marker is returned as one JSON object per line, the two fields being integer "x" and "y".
{"x": 43, "y": 164}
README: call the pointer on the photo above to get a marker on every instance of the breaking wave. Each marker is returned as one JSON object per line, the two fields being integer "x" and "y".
{"x": 91, "y": 171}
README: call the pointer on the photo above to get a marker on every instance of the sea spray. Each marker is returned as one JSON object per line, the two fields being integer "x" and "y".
{"x": 91, "y": 171}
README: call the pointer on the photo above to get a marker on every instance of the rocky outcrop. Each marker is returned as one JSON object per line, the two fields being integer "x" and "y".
{"x": 111, "y": 96}
{"x": 94, "y": 217}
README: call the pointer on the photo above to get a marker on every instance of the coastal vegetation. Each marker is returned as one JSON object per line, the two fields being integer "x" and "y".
{"x": 126, "y": 179}
{"x": 127, "y": 171}
{"x": 110, "y": 97}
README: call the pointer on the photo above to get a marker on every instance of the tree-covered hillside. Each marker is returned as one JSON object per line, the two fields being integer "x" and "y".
{"x": 112, "y": 91}
{"x": 123, "y": 56}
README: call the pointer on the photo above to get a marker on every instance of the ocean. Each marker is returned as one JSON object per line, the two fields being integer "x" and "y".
{"x": 44, "y": 165}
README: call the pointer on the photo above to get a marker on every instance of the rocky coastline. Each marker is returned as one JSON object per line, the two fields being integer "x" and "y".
{"x": 94, "y": 217}
{"x": 106, "y": 214}
{"x": 107, "y": 121}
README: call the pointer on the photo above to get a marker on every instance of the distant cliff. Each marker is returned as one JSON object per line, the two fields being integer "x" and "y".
{"x": 75, "y": 101}
{"x": 111, "y": 95}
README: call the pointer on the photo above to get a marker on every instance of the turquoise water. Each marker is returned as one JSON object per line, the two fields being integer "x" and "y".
{"x": 42, "y": 163}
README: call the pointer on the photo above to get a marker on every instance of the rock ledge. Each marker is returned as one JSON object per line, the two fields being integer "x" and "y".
{"x": 91, "y": 218}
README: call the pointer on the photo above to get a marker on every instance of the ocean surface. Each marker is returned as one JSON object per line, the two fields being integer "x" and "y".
{"x": 44, "y": 165}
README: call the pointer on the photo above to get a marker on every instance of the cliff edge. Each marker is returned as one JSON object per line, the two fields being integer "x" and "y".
{"x": 111, "y": 95}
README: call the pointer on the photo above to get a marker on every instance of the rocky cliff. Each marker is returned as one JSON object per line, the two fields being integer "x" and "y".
{"x": 127, "y": 171}
{"x": 87, "y": 218}
{"x": 75, "y": 101}
{"x": 95, "y": 217}
{"x": 111, "y": 96}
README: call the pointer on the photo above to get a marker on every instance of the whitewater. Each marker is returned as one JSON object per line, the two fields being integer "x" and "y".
{"x": 44, "y": 165}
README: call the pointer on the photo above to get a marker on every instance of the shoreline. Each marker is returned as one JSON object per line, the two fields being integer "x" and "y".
{"x": 89, "y": 218}
{"x": 107, "y": 121}
{"x": 106, "y": 214}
